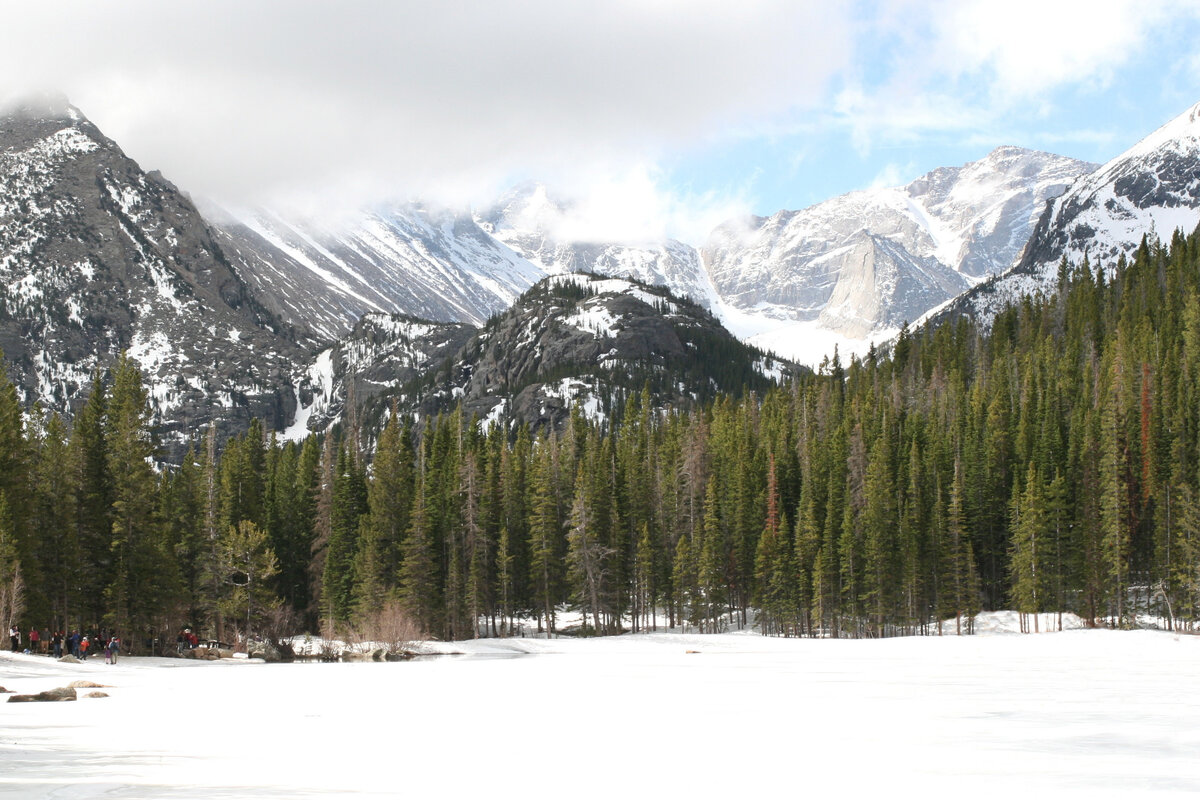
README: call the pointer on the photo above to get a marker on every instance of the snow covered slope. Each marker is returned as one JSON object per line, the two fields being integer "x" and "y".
{"x": 383, "y": 352}
{"x": 1152, "y": 189}
{"x": 406, "y": 259}
{"x": 866, "y": 261}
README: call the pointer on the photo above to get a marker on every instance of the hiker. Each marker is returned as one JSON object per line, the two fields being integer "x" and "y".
{"x": 14, "y": 638}
{"x": 115, "y": 644}
{"x": 56, "y": 644}
{"x": 35, "y": 639}
{"x": 83, "y": 648}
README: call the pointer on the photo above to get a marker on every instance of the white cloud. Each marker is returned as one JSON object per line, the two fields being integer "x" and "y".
{"x": 447, "y": 100}
{"x": 638, "y": 206}
{"x": 1025, "y": 48}
{"x": 967, "y": 67}
{"x": 893, "y": 174}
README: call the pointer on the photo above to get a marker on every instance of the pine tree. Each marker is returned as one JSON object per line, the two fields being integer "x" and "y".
{"x": 53, "y": 502}
{"x": 1029, "y": 556}
{"x": 12, "y": 582}
{"x": 389, "y": 498}
{"x": 714, "y": 555}
{"x": 94, "y": 500}
{"x": 249, "y": 564}
{"x": 418, "y": 563}
{"x": 1115, "y": 508}
{"x": 544, "y": 535}
{"x": 586, "y": 555}
{"x": 143, "y": 574}
{"x": 349, "y": 504}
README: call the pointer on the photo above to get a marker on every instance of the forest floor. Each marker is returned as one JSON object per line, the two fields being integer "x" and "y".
{"x": 1095, "y": 713}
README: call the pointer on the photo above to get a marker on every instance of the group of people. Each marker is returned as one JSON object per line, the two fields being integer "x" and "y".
{"x": 186, "y": 640}
{"x": 77, "y": 644}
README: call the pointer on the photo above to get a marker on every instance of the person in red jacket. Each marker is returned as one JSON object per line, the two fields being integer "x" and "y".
{"x": 35, "y": 639}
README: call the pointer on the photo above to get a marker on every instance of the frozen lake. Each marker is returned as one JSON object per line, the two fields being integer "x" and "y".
{"x": 1087, "y": 713}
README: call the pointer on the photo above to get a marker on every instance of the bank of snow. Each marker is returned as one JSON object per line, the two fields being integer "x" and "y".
{"x": 1081, "y": 713}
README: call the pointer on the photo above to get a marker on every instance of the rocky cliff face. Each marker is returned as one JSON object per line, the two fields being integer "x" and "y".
{"x": 377, "y": 359}
{"x": 97, "y": 256}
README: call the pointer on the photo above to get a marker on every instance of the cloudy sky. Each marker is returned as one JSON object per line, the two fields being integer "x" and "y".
{"x": 657, "y": 116}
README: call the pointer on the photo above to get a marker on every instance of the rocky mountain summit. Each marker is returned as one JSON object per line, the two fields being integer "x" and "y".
{"x": 592, "y": 340}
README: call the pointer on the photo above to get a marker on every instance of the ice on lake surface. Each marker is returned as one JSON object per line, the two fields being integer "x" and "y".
{"x": 1092, "y": 713}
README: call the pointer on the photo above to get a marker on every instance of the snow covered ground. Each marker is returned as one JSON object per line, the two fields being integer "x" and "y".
{"x": 1092, "y": 713}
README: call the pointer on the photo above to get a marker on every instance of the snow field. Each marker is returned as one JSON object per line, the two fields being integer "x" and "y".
{"x": 1080, "y": 713}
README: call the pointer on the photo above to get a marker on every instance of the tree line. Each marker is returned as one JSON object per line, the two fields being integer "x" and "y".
{"x": 1046, "y": 463}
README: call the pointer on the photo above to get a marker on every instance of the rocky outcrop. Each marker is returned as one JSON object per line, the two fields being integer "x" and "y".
{"x": 592, "y": 341}
{"x": 64, "y": 693}
{"x": 271, "y": 652}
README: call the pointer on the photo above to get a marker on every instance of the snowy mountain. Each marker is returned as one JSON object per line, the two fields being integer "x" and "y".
{"x": 594, "y": 340}
{"x": 437, "y": 264}
{"x": 97, "y": 257}
{"x": 867, "y": 261}
{"x": 1151, "y": 190}
{"x": 853, "y": 267}
{"x": 406, "y": 259}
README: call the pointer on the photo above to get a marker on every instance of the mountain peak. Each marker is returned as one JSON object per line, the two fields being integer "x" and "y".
{"x": 1181, "y": 134}
{"x": 42, "y": 106}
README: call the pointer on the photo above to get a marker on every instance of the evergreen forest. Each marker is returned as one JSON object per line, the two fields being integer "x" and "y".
{"x": 1049, "y": 462}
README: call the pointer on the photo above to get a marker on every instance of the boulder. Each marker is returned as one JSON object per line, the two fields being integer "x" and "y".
{"x": 268, "y": 651}
{"x": 96, "y": 694}
{"x": 69, "y": 659}
{"x": 85, "y": 685}
{"x": 51, "y": 696}
{"x": 351, "y": 655}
